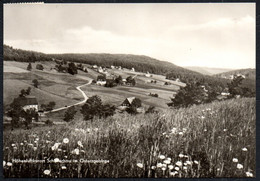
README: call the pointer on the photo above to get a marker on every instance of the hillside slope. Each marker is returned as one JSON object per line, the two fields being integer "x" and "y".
{"x": 141, "y": 63}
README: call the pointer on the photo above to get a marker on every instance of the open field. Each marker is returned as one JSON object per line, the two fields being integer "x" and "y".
{"x": 211, "y": 140}
{"x": 53, "y": 86}
{"x": 118, "y": 94}
{"x": 61, "y": 87}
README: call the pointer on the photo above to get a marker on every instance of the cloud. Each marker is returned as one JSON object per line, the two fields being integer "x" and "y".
{"x": 218, "y": 43}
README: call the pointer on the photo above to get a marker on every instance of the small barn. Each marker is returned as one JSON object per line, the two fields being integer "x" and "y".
{"x": 128, "y": 101}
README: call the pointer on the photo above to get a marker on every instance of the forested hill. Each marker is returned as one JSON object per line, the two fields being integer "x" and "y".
{"x": 141, "y": 63}
{"x": 20, "y": 55}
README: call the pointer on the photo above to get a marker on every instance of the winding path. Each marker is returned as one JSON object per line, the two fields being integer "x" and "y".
{"x": 81, "y": 102}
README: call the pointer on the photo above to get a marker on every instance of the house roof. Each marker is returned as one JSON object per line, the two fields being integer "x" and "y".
{"x": 28, "y": 100}
{"x": 130, "y": 99}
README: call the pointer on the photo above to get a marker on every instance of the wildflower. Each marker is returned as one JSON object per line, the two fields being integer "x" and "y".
{"x": 173, "y": 130}
{"x": 164, "y": 133}
{"x": 15, "y": 148}
{"x": 244, "y": 149}
{"x": 184, "y": 129}
{"x": 167, "y": 161}
{"x": 56, "y": 160}
{"x": 164, "y": 165}
{"x": 185, "y": 168}
{"x": 205, "y": 130}
{"x": 49, "y": 132}
{"x": 239, "y": 166}
{"x": 202, "y": 117}
{"x": 34, "y": 148}
{"x": 170, "y": 167}
{"x": 168, "y": 158}
{"x": 21, "y": 144}
{"x": 196, "y": 162}
{"x": 224, "y": 130}
{"x": 82, "y": 151}
{"x": 4, "y": 163}
{"x": 88, "y": 130}
{"x": 80, "y": 144}
{"x": 218, "y": 169}
{"x": 65, "y": 140}
{"x": 59, "y": 149}
{"x": 162, "y": 157}
{"x": 65, "y": 156}
{"x": 249, "y": 174}
{"x": 177, "y": 168}
{"x": 47, "y": 141}
{"x": 163, "y": 168}
{"x": 30, "y": 144}
{"x": 13, "y": 145}
{"x": 172, "y": 173}
{"x": 47, "y": 172}
{"x": 140, "y": 165}
{"x": 181, "y": 155}
{"x": 9, "y": 164}
{"x": 235, "y": 160}
{"x": 180, "y": 133}
{"x": 37, "y": 139}
{"x": 153, "y": 167}
{"x": 188, "y": 162}
{"x": 159, "y": 165}
{"x": 55, "y": 146}
{"x": 179, "y": 163}
{"x": 75, "y": 151}
{"x": 63, "y": 167}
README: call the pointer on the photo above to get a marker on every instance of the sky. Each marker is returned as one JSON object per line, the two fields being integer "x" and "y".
{"x": 218, "y": 35}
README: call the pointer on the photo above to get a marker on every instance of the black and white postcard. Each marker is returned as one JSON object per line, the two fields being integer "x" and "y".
{"x": 129, "y": 90}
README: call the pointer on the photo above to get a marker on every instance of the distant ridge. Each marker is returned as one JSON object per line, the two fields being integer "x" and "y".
{"x": 208, "y": 70}
{"x": 249, "y": 73}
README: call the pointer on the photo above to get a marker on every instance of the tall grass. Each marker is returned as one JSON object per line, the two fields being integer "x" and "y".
{"x": 211, "y": 140}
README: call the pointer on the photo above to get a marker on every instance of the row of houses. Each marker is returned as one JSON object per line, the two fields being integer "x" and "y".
{"x": 233, "y": 76}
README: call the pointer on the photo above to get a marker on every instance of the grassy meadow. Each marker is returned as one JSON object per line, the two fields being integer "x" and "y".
{"x": 211, "y": 140}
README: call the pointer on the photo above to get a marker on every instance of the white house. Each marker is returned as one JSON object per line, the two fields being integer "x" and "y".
{"x": 101, "y": 82}
{"x": 27, "y": 103}
{"x": 148, "y": 74}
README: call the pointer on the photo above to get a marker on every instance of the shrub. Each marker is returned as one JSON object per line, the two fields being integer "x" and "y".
{"x": 39, "y": 67}
{"x": 69, "y": 114}
{"x": 29, "y": 67}
{"x": 49, "y": 122}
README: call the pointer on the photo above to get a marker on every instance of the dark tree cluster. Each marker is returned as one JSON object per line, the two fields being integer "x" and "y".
{"x": 236, "y": 88}
{"x": 95, "y": 108}
{"x": 39, "y": 67}
{"x": 154, "y": 95}
{"x": 48, "y": 107}
{"x": 24, "y": 92}
{"x": 69, "y": 114}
